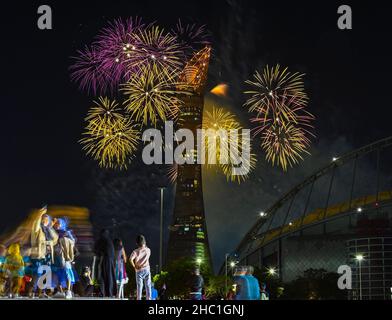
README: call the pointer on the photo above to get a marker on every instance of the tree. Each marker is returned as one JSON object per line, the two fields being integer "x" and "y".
{"x": 216, "y": 286}
{"x": 315, "y": 284}
{"x": 160, "y": 279}
{"x": 176, "y": 276}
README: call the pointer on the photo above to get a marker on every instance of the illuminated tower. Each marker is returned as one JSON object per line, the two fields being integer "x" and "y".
{"x": 188, "y": 232}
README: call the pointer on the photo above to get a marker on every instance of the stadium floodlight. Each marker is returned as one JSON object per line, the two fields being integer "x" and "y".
{"x": 271, "y": 271}
{"x": 359, "y": 257}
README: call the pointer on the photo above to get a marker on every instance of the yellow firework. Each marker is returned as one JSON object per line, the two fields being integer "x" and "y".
{"x": 154, "y": 45}
{"x": 109, "y": 138}
{"x": 279, "y": 100}
{"x": 247, "y": 164}
{"x": 151, "y": 95}
{"x": 221, "y": 122}
{"x": 219, "y": 118}
{"x": 104, "y": 112}
{"x": 274, "y": 90}
{"x": 226, "y": 131}
{"x": 284, "y": 144}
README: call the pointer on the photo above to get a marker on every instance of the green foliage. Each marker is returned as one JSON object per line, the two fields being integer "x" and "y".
{"x": 176, "y": 276}
{"x": 215, "y": 288}
{"x": 315, "y": 284}
{"x": 160, "y": 278}
{"x": 179, "y": 273}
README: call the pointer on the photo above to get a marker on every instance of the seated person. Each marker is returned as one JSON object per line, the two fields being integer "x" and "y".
{"x": 85, "y": 286}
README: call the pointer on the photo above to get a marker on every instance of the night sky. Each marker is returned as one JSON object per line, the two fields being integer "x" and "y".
{"x": 347, "y": 79}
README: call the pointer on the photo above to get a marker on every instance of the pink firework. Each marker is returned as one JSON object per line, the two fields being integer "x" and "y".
{"x": 191, "y": 37}
{"x": 117, "y": 47}
{"x": 88, "y": 72}
{"x": 106, "y": 64}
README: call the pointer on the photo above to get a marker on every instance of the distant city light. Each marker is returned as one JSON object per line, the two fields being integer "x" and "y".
{"x": 359, "y": 209}
{"x": 290, "y": 224}
{"x": 262, "y": 214}
{"x": 334, "y": 159}
{"x": 232, "y": 264}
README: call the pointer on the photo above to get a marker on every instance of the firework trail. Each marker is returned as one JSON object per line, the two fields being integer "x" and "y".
{"x": 172, "y": 173}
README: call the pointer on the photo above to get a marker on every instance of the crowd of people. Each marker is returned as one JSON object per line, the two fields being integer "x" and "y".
{"x": 111, "y": 267}
{"x": 52, "y": 250}
{"x": 50, "y": 257}
{"x": 52, "y": 246}
{"x": 246, "y": 286}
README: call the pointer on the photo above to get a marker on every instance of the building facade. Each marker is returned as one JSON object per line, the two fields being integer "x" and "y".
{"x": 339, "y": 216}
{"x": 188, "y": 231}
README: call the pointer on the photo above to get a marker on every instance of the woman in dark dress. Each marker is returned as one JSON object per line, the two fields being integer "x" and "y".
{"x": 106, "y": 275}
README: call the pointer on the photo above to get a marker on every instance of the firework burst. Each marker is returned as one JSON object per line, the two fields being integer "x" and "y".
{"x": 223, "y": 121}
{"x": 109, "y": 137}
{"x": 273, "y": 89}
{"x": 151, "y": 95}
{"x": 284, "y": 144}
{"x": 104, "y": 112}
{"x": 117, "y": 47}
{"x": 88, "y": 72}
{"x": 279, "y": 100}
{"x": 105, "y": 65}
{"x": 190, "y": 37}
{"x": 152, "y": 45}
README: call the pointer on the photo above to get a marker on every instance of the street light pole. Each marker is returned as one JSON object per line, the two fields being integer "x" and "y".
{"x": 359, "y": 258}
{"x": 360, "y": 280}
{"x": 226, "y": 256}
{"x": 161, "y": 232}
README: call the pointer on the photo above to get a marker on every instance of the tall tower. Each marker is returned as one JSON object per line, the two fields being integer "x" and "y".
{"x": 188, "y": 232}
